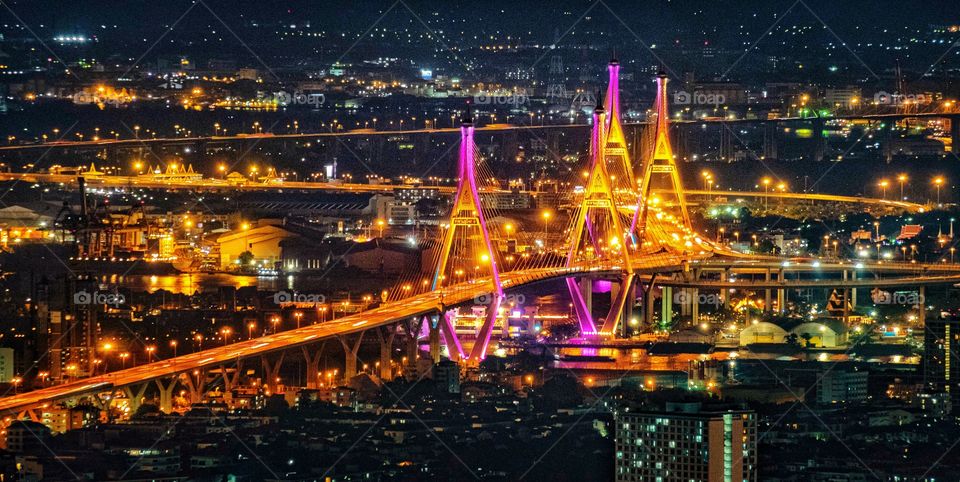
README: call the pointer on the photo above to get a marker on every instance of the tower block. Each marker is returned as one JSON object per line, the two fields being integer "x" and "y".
{"x": 673, "y": 204}
{"x": 467, "y": 252}
{"x": 598, "y": 237}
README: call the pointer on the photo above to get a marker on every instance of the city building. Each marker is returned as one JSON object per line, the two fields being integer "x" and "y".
{"x": 941, "y": 365}
{"x": 6, "y": 365}
{"x": 838, "y": 386}
{"x": 446, "y": 375}
{"x": 261, "y": 241}
{"x": 684, "y": 443}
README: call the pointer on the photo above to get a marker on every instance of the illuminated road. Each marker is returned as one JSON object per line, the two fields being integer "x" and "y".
{"x": 390, "y": 313}
{"x": 428, "y": 303}
{"x": 820, "y": 283}
{"x": 216, "y": 184}
{"x": 104, "y": 143}
{"x": 904, "y": 205}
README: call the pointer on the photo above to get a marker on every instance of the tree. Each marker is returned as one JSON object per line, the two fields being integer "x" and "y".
{"x": 245, "y": 258}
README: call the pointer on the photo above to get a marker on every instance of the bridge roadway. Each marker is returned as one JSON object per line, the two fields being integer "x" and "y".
{"x": 415, "y": 306}
{"x": 814, "y": 283}
{"x": 494, "y": 127}
{"x": 217, "y": 184}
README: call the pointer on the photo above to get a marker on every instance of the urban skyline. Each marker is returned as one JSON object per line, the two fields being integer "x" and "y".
{"x": 411, "y": 240}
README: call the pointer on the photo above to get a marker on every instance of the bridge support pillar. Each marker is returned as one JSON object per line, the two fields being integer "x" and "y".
{"x": 447, "y": 321}
{"x": 313, "y": 365}
{"x": 685, "y": 307}
{"x": 767, "y": 298}
{"x": 385, "y": 336}
{"x": 166, "y": 393}
{"x": 350, "y": 351}
{"x": 853, "y": 291}
{"x": 648, "y": 305}
{"x": 586, "y": 290}
{"x": 135, "y": 394}
{"x": 695, "y": 305}
{"x": 271, "y": 373}
{"x": 724, "y": 292}
{"x": 231, "y": 380}
{"x": 781, "y": 293}
{"x": 666, "y": 305}
{"x": 411, "y": 330}
{"x": 196, "y": 383}
{"x": 434, "y": 326}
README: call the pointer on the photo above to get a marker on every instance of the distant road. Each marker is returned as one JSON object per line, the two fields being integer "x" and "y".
{"x": 216, "y": 184}
{"x": 444, "y": 130}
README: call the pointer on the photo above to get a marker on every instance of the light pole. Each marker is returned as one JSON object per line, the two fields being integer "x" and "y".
{"x": 938, "y": 181}
{"x": 173, "y": 345}
{"x": 883, "y": 187}
{"x": 275, "y": 321}
{"x": 902, "y": 178}
{"x": 546, "y": 219}
{"x": 766, "y": 190}
{"x": 298, "y": 315}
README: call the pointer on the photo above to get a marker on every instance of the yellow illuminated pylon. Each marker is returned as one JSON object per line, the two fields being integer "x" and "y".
{"x": 662, "y": 162}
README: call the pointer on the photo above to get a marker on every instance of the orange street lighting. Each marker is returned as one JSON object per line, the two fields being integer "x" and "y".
{"x": 883, "y": 186}
{"x": 938, "y": 182}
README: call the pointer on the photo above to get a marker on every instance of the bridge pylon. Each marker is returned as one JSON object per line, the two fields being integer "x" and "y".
{"x": 598, "y": 235}
{"x": 467, "y": 252}
{"x": 661, "y": 164}
{"x": 614, "y": 143}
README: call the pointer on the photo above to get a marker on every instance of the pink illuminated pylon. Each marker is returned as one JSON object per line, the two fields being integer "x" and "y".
{"x": 590, "y": 243}
{"x": 466, "y": 218}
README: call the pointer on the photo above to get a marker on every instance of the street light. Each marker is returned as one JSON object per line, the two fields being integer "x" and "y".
{"x": 883, "y": 186}
{"x": 546, "y": 218}
{"x": 766, "y": 189}
{"x": 250, "y": 327}
{"x": 902, "y": 178}
{"x": 938, "y": 182}
{"x": 173, "y": 345}
{"x": 298, "y": 315}
{"x": 275, "y": 320}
